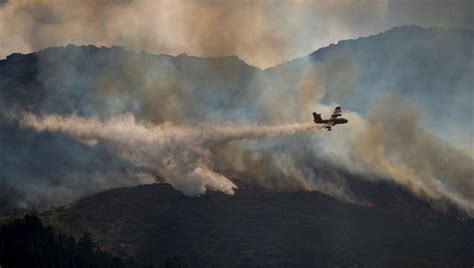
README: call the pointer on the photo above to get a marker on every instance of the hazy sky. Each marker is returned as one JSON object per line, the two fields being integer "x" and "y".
{"x": 263, "y": 33}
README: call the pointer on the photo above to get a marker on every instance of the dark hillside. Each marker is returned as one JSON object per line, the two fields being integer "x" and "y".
{"x": 26, "y": 242}
{"x": 261, "y": 228}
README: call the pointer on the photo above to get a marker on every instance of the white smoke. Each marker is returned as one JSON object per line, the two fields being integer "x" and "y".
{"x": 177, "y": 155}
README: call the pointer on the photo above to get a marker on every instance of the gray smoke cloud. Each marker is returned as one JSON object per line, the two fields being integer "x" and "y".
{"x": 177, "y": 155}
{"x": 164, "y": 93}
{"x": 196, "y": 124}
{"x": 393, "y": 143}
{"x": 390, "y": 144}
{"x": 263, "y": 33}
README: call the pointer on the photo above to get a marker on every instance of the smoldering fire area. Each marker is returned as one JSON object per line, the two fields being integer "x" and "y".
{"x": 79, "y": 120}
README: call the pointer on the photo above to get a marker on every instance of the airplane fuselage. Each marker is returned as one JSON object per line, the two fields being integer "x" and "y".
{"x": 337, "y": 121}
{"x": 329, "y": 122}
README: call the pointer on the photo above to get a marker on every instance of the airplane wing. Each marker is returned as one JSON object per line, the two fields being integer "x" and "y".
{"x": 337, "y": 112}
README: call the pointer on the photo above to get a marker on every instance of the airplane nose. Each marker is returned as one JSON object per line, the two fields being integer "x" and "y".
{"x": 345, "y": 120}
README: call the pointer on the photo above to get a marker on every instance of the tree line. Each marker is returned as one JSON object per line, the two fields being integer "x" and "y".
{"x": 26, "y": 242}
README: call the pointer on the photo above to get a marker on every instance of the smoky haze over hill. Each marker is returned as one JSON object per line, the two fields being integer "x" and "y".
{"x": 263, "y": 33}
{"x": 406, "y": 93}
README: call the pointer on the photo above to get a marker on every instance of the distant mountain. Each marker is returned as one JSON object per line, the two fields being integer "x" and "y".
{"x": 264, "y": 228}
{"x": 432, "y": 67}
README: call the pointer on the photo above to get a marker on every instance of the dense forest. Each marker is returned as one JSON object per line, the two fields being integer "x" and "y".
{"x": 26, "y": 242}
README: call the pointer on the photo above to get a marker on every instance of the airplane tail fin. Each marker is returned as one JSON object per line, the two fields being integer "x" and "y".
{"x": 317, "y": 118}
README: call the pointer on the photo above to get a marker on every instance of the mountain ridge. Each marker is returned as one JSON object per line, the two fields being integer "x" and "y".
{"x": 321, "y": 50}
{"x": 105, "y": 82}
{"x": 152, "y": 222}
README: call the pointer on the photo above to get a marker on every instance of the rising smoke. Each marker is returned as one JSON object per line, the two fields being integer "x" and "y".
{"x": 179, "y": 131}
{"x": 263, "y": 33}
{"x": 390, "y": 144}
{"x": 395, "y": 145}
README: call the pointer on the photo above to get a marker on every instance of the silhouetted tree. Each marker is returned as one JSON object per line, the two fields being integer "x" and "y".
{"x": 27, "y": 242}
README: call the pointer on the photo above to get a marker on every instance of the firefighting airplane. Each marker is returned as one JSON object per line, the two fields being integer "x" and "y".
{"x": 334, "y": 120}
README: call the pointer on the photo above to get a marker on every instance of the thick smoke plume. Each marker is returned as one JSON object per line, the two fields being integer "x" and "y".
{"x": 180, "y": 105}
{"x": 177, "y": 155}
{"x": 263, "y": 33}
{"x": 224, "y": 98}
{"x": 393, "y": 144}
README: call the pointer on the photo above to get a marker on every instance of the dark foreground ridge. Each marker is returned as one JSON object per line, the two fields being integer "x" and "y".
{"x": 26, "y": 242}
{"x": 260, "y": 228}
